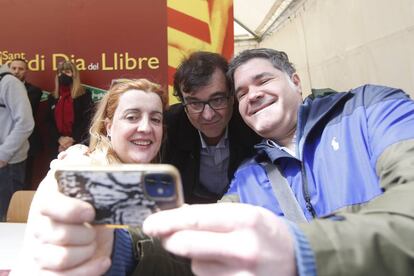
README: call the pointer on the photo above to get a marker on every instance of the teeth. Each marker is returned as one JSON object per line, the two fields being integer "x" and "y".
{"x": 141, "y": 143}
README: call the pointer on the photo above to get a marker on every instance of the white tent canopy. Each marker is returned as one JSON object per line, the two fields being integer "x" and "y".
{"x": 339, "y": 44}
{"x": 253, "y": 20}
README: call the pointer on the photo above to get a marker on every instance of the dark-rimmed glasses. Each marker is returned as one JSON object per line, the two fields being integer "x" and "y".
{"x": 214, "y": 103}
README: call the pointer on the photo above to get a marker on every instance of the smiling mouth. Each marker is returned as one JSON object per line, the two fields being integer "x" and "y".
{"x": 260, "y": 107}
{"x": 141, "y": 142}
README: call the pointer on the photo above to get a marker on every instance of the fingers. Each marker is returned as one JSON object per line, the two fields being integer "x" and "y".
{"x": 63, "y": 234}
{"x": 65, "y": 209}
{"x": 226, "y": 239}
{"x": 59, "y": 240}
{"x": 49, "y": 202}
{"x": 61, "y": 139}
{"x": 61, "y": 155}
{"x": 68, "y": 144}
{"x": 182, "y": 243}
{"x": 72, "y": 248}
{"x": 221, "y": 217}
{"x": 73, "y": 155}
{"x": 78, "y": 148}
{"x": 217, "y": 268}
{"x": 53, "y": 257}
{"x": 238, "y": 247}
{"x": 61, "y": 149}
{"x": 65, "y": 142}
{"x": 91, "y": 268}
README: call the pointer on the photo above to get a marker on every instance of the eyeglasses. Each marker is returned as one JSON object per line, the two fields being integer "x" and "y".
{"x": 215, "y": 104}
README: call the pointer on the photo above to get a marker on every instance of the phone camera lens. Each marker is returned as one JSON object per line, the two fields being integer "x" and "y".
{"x": 159, "y": 186}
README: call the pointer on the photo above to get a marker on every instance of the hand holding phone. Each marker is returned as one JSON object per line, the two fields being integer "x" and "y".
{"x": 123, "y": 194}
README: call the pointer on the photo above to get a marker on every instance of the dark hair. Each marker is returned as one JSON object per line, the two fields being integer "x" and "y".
{"x": 196, "y": 71}
{"x": 279, "y": 60}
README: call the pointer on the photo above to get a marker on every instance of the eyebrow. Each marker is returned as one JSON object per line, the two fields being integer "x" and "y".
{"x": 140, "y": 111}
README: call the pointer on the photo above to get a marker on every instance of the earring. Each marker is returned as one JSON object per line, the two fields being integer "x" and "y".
{"x": 108, "y": 136}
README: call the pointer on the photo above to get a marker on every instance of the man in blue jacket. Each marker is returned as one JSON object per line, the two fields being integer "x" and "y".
{"x": 347, "y": 157}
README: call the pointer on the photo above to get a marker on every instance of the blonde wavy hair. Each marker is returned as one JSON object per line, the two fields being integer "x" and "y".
{"x": 77, "y": 89}
{"x": 99, "y": 140}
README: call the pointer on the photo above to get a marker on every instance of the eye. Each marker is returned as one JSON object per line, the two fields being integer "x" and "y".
{"x": 156, "y": 120}
{"x": 131, "y": 117}
{"x": 217, "y": 101}
{"x": 240, "y": 95}
{"x": 196, "y": 105}
{"x": 264, "y": 81}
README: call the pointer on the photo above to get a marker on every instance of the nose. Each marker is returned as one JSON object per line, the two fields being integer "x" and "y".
{"x": 208, "y": 113}
{"x": 144, "y": 125}
{"x": 254, "y": 94}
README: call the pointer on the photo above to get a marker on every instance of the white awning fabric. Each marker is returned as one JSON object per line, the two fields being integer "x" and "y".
{"x": 254, "y": 20}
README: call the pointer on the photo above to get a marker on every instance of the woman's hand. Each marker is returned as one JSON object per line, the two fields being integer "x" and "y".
{"x": 59, "y": 239}
{"x": 65, "y": 142}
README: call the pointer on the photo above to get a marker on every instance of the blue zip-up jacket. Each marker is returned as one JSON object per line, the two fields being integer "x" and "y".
{"x": 354, "y": 165}
{"x": 339, "y": 139}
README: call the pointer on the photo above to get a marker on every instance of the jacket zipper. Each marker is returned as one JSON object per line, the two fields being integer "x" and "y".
{"x": 306, "y": 195}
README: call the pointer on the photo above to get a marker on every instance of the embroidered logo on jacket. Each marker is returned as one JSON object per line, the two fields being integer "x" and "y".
{"x": 335, "y": 144}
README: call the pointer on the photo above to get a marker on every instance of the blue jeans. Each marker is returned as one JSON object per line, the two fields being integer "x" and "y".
{"x": 12, "y": 177}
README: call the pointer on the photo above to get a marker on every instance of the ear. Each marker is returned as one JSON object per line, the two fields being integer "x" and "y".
{"x": 108, "y": 125}
{"x": 296, "y": 80}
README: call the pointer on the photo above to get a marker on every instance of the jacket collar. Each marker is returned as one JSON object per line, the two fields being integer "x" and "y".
{"x": 311, "y": 112}
{"x": 266, "y": 150}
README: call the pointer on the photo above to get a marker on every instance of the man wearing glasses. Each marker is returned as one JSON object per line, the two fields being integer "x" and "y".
{"x": 206, "y": 137}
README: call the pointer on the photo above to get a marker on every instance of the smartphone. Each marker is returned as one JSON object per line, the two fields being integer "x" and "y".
{"x": 123, "y": 194}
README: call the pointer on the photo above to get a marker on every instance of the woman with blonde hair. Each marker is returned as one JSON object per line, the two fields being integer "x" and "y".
{"x": 117, "y": 146}
{"x": 127, "y": 128}
{"x": 70, "y": 106}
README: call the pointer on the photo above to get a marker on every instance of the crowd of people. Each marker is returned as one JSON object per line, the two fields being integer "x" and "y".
{"x": 345, "y": 159}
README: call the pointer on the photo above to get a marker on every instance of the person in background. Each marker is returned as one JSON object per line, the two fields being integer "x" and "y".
{"x": 70, "y": 107}
{"x": 206, "y": 137}
{"x": 19, "y": 69}
{"x": 17, "y": 125}
{"x": 127, "y": 128}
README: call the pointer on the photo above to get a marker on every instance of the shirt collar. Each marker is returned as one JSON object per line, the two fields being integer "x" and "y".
{"x": 220, "y": 144}
{"x": 273, "y": 144}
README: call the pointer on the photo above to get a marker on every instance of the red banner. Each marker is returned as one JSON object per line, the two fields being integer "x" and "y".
{"x": 105, "y": 39}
